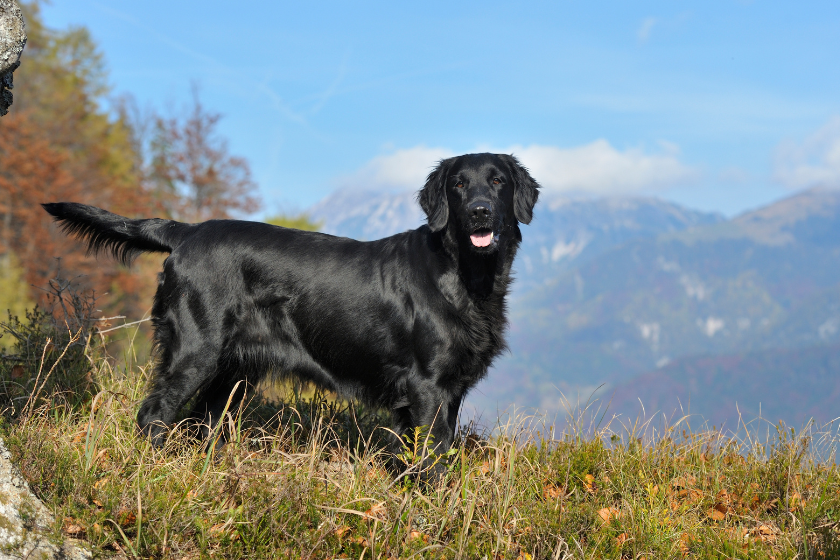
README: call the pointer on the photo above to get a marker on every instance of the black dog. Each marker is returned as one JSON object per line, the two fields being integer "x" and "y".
{"x": 410, "y": 322}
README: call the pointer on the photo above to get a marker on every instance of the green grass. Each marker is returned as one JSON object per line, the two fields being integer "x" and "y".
{"x": 302, "y": 477}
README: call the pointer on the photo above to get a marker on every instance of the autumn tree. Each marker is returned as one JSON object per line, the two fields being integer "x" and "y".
{"x": 59, "y": 144}
{"x": 192, "y": 172}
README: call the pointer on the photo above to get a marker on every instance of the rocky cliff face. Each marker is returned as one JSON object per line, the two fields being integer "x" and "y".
{"x": 12, "y": 41}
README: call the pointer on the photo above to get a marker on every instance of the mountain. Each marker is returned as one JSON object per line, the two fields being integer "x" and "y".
{"x": 367, "y": 215}
{"x": 743, "y": 284}
{"x": 794, "y": 385}
{"x": 764, "y": 281}
{"x": 636, "y": 293}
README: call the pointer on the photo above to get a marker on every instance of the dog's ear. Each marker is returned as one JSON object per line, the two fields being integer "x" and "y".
{"x": 432, "y": 197}
{"x": 526, "y": 190}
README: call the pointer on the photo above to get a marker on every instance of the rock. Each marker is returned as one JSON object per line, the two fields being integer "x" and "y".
{"x": 25, "y": 520}
{"x": 12, "y": 41}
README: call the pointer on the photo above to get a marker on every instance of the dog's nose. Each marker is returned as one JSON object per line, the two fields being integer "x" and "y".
{"x": 481, "y": 210}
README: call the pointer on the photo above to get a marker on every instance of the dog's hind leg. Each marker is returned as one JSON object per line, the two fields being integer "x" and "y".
{"x": 221, "y": 392}
{"x": 176, "y": 381}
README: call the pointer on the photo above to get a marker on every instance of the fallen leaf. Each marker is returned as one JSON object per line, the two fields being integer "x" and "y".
{"x": 718, "y": 513}
{"x": 127, "y": 517}
{"x": 340, "y": 532}
{"x": 608, "y": 514}
{"x": 377, "y": 511}
{"x": 687, "y": 481}
{"x": 685, "y": 543}
{"x": 72, "y": 528}
{"x": 17, "y": 371}
{"x": 764, "y": 533}
{"x": 621, "y": 539}
{"x": 220, "y": 530}
{"x": 103, "y": 457}
{"x": 552, "y": 492}
{"x": 795, "y": 501}
{"x": 359, "y": 540}
{"x": 589, "y": 483}
{"x": 373, "y": 473}
{"x": 99, "y": 483}
{"x": 685, "y": 496}
{"x": 524, "y": 556}
{"x": 414, "y": 535}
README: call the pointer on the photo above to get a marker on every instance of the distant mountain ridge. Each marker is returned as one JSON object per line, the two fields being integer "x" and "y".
{"x": 367, "y": 215}
{"x": 794, "y": 385}
{"x": 608, "y": 291}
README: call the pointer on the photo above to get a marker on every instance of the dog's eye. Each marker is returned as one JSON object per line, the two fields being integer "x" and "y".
{"x": 460, "y": 184}
{"x": 497, "y": 181}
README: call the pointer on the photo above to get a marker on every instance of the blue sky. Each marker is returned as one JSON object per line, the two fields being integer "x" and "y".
{"x": 718, "y": 105}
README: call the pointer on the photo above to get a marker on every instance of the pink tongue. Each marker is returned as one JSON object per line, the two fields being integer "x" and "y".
{"x": 482, "y": 239}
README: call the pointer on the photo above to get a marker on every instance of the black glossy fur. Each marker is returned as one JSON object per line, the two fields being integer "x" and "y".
{"x": 410, "y": 322}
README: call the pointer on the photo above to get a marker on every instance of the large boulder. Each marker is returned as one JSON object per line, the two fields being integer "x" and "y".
{"x": 25, "y": 521}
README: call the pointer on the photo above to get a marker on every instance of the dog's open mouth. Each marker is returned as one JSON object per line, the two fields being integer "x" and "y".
{"x": 482, "y": 237}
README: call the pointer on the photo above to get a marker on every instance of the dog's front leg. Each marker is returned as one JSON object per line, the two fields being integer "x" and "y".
{"x": 426, "y": 428}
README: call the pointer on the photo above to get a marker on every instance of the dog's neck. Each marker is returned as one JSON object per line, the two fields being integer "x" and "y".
{"x": 484, "y": 276}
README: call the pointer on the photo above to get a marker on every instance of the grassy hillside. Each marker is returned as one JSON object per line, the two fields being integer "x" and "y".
{"x": 302, "y": 478}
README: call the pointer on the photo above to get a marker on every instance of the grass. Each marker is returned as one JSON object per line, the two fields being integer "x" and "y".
{"x": 302, "y": 477}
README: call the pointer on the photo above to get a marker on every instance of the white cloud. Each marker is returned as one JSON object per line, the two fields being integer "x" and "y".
{"x": 814, "y": 162}
{"x": 401, "y": 170}
{"x": 600, "y": 169}
{"x": 596, "y": 168}
{"x": 645, "y": 29}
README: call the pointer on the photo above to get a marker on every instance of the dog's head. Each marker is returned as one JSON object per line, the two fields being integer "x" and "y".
{"x": 480, "y": 194}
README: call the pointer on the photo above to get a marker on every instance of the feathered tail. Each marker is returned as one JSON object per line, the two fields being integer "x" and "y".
{"x": 122, "y": 237}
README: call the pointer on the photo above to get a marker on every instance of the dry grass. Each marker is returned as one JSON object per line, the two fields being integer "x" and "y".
{"x": 302, "y": 478}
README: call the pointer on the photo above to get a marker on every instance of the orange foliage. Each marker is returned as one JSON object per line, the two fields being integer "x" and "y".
{"x": 35, "y": 169}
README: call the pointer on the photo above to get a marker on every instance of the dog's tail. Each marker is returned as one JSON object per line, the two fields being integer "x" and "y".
{"x": 124, "y": 238}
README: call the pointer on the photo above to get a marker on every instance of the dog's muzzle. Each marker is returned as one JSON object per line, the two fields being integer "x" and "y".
{"x": 481, "y": 214}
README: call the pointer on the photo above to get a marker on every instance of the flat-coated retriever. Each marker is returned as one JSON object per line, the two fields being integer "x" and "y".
{"x": 410, "y": 322}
